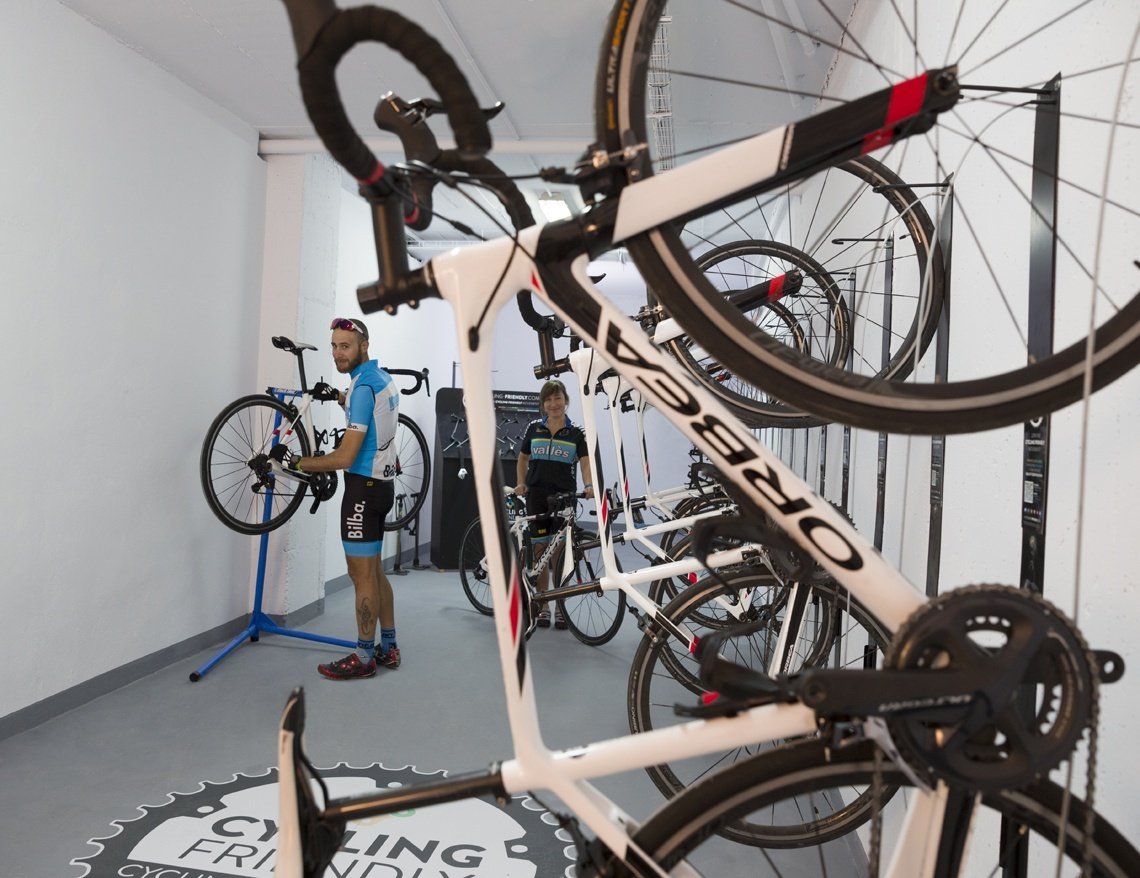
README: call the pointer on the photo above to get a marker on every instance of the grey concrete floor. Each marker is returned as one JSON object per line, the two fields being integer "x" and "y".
{"x": 63, "y": 783}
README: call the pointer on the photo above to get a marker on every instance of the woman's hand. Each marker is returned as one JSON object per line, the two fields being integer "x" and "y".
{"x": 520, "y": 489}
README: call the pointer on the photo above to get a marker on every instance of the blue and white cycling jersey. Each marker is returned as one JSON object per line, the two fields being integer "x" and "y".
{"x": 373, "y": 407}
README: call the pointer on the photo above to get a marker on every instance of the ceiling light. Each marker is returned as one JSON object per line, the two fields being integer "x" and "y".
{"x": 553, "y": 206}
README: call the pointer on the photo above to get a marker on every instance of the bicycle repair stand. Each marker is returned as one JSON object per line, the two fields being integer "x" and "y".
{"x": 259, "y": 621}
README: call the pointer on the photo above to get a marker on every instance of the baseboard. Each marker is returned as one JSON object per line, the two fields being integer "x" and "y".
{"x": 54, "y": 705}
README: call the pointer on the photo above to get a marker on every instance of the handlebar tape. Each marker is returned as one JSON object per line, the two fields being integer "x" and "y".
{"x": 316, "y": 69}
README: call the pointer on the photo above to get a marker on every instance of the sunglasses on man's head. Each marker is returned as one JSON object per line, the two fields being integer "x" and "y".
{"x": 350, "y": 326}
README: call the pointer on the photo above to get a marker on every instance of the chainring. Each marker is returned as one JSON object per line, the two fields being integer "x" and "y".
{"x": 1047, "y": 687}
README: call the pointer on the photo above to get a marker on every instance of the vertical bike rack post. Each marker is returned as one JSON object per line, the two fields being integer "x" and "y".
{"x": 414, "y": 533}
{"x": 846, "y": 472}
{"x": 259, "y": 621}
{"x": 881, "y": 481}
{"x": 1035, "y": 453}
{"x": 397, "y": 569}
{"x": 888, "y": 290}
{"x": 941, "y": 372}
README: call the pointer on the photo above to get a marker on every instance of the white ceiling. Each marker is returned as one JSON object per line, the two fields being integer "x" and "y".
{"x": 538, "y": 56}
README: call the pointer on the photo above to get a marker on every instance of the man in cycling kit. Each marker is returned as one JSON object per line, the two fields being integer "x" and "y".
{"x": 368, "y": 453}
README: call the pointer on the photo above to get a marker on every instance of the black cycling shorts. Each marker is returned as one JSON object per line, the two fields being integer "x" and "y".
{"x": 365, "y": 505}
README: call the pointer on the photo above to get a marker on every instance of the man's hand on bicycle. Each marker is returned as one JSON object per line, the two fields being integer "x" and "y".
{"x": 325, "y": 392}
{"x": 282, "y": 456}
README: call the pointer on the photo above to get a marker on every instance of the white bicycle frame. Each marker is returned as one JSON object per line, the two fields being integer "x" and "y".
{"x": 464, "y": 277}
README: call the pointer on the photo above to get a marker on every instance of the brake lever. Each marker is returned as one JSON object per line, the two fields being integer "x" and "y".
{"x": 427, "y": 107}
{"x": 395, "y": 115}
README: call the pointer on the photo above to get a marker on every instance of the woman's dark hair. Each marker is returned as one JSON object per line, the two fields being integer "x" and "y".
{"x": 550, "y": 388}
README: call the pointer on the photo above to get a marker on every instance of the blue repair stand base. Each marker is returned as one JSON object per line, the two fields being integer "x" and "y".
{"x": 260, "y": 623}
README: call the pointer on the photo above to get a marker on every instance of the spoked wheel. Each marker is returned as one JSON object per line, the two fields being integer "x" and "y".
{"x": 245, "y": 498}
{"x": 877, "y": 244}
{"x": 473, "y": 573}
{"x": 831, "y": 632}
{"x": 817, "y": 800}
{"x": 413, "y": 473}
{"x": 594, "y": 618}
{"x": 814, "y": 320}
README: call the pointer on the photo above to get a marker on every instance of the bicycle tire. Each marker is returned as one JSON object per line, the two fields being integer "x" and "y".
{"x": 664, "y": 673}
{"x": 688, "y": 507}
{"x": 1004, "y": 393}
{"x": 243, "y": 500}
{"x": 814, "y": 322}
{"x": 594, "y": 618}
{"x": 413, "y": 473}
{"x": 473, "y": 574}
{"x": 809, "y": 773}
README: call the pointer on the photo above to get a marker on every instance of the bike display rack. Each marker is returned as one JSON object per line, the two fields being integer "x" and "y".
{"x": 259, "y": 621}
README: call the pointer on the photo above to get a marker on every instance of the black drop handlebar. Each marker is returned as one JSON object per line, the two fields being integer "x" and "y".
{"x": 323, "y": 34}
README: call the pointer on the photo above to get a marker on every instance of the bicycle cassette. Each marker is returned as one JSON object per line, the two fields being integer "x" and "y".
{"x": 1038, "y": 689}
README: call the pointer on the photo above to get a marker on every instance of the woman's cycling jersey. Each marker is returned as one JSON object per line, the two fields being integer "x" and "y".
{"x": 373, "y": 408}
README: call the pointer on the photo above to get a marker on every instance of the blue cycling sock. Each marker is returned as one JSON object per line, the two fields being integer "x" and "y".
{"x": 387, "y": 639}
{"x": 365, "y": 650}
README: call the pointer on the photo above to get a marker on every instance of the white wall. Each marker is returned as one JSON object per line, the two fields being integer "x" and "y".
{"x": 130, "y": 259}
{"x": 982, "y": 526}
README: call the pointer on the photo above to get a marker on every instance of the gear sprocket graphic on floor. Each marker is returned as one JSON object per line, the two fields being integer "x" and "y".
{"x": 228, "y": 830}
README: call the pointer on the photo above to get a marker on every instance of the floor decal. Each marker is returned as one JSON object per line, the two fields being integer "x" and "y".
{"x": 228, "y": 830}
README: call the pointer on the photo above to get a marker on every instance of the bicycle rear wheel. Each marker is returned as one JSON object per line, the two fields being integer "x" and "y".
{"x": 246, "y": 499}
{"x": 781, "y": 787}
{"x": 594, "y": 618}
{"x": 413, "y": 473}
{"x": 473, "y": 573}
{"x": 657, "y": 90}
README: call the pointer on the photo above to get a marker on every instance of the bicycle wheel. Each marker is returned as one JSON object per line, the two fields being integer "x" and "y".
{"x": 780, "y": 787}
{"x": 473, "y": 575}
{"x": 245, "y": 499}
{"x": 658, "y": 91}
{"x": 813, "y": 321}
{"x": 665, "y": 672}
{"x": 413, "y": 473}
{"x": 593, "y": 618}
{"x": 664, "y": 590}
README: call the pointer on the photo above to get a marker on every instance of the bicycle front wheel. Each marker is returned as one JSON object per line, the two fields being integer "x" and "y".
{"x": 473, "y": 574}
{"x": 413, "y": 473}
{"x": 594, "y": 617}
{"x": 973, "y": 171}
{"x": 245, "y": 498}
{"x": 811, "y": 779}
{"x": 665, "y": 673}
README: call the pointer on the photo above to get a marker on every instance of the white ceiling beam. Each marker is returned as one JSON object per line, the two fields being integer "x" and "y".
{"x": 308, "y": 145}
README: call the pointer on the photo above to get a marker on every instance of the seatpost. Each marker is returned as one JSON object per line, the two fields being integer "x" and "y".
{"x": 301, "y": 368}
